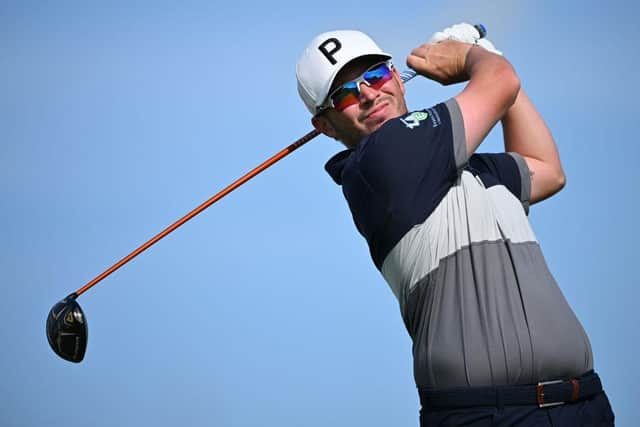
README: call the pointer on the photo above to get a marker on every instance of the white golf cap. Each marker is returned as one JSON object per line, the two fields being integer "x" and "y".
{"x": 324, "y": 57}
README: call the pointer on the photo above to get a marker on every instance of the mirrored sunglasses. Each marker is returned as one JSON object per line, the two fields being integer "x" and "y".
{"x": 349, "y": 93}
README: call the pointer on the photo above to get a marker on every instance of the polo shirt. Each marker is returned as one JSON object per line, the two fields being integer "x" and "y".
{"x": 450, "y": 234}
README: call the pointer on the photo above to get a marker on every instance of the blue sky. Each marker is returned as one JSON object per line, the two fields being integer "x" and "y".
{"x": 118, "y": 118}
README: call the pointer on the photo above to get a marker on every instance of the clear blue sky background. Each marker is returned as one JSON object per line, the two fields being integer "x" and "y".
{"x": 116, "y": 118}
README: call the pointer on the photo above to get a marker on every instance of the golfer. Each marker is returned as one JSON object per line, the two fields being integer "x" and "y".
{"x": 494, "y": 341}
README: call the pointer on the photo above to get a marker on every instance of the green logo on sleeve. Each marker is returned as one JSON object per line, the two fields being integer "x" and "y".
{"x": 414, "y": 119}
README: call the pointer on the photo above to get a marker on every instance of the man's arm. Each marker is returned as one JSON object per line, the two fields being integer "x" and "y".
{"x": 526, "y": 133}
{"x": 491, "y": 91}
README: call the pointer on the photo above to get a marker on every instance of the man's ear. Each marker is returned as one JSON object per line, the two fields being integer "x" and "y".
{"x": 323, "y": 124}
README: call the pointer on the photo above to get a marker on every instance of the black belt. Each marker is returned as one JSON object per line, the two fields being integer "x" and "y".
{"x": 543, "y": 394}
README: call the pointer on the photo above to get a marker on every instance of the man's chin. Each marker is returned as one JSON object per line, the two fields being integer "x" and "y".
{"x": 373, "y": 124}
{"x": 377, "y": 124}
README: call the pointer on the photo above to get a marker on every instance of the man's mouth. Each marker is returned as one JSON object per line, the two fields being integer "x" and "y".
{"x": 377, "y": 113}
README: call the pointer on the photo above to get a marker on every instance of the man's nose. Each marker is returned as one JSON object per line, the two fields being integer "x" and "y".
{"x": 367, "y": 93}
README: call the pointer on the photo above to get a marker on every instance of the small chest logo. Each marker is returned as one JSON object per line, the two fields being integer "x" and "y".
{"x": 414, "y": 119}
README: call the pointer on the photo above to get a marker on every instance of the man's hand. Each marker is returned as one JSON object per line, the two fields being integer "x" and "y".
{"x": 443, "y": 62}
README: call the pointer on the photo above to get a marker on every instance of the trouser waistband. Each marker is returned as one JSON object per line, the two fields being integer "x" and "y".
{"x": 543, "y": 394}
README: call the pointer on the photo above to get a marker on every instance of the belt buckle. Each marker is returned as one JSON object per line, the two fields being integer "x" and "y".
{"x": 540, "y": 394}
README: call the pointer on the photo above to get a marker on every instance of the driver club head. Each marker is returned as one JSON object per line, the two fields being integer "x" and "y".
{"x": 67, "y": 330}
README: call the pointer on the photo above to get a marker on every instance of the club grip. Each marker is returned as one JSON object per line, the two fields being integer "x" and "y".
{"x": 481, "y": 29}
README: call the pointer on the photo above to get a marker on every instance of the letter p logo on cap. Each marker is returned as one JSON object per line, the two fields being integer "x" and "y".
{"x": 335, "y": 47}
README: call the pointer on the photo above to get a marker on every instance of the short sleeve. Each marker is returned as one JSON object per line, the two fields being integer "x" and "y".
{"x": 458, "y": 138}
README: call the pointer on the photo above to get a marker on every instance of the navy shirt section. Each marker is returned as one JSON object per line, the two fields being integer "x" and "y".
{"x": 397, "y": 175}
{"x": 495, "y": 169}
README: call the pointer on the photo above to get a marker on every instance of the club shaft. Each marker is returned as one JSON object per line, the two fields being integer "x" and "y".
{"x": 237, "y": 183}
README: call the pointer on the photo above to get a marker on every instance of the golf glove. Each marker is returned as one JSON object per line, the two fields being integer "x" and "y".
{"x": 465, "y": 33}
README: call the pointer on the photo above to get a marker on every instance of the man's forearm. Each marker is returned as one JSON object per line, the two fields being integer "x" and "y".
{"x": 491, "y": 92}
{"x": 526, "y": 133}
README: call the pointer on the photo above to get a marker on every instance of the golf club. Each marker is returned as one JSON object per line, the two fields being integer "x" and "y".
{"x": 67, "y": 330}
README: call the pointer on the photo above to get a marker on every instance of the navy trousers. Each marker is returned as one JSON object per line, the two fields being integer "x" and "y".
{"x": 593, "y": 412}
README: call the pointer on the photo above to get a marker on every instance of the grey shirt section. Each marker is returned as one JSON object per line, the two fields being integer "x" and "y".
{"x": 480, "y": 320}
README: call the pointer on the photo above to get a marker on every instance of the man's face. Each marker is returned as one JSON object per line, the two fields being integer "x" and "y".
{"x": 374, "y": 107}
